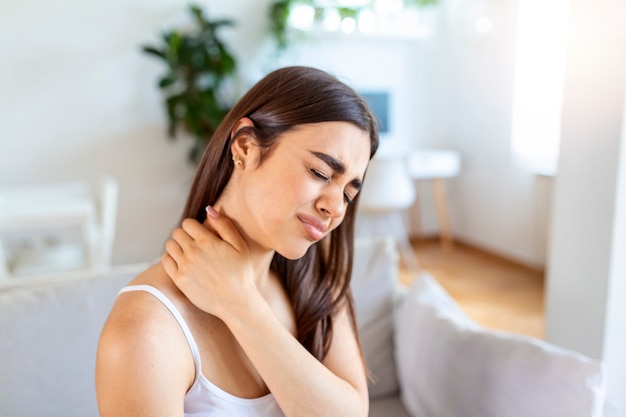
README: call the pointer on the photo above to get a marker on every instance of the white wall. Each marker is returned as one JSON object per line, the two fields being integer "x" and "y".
{"x": 78, "y": 99}
{"x": 615, "y": 335}
{"x": 586, "y": 282}
{"x": 367, "y": 63}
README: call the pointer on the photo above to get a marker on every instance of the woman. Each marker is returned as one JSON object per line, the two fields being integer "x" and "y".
{"x": 249, "y": 312}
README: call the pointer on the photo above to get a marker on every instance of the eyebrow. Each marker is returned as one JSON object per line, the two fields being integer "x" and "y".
{"x": 337, "y": 166}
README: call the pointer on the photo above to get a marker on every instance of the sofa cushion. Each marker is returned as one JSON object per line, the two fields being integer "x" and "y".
{"x": 49, "y": 331}
{"x": 374, "y": 278}
{"x": 450, "y": 366}
{"x": 387, "y": 407}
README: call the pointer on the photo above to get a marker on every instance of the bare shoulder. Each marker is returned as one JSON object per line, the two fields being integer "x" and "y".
{"x": 142, "y": 351}
{"x": 140, "y": 312}
{"x": 141, "y": 320}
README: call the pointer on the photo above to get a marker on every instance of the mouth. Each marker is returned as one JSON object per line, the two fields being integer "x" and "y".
{"x": 314, "y": 228}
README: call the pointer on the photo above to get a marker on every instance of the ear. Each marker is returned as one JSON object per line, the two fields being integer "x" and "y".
{"x": 243, "y": 144}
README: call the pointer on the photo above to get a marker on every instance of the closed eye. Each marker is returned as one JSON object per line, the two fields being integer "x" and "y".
{"x": 319, "y": 174}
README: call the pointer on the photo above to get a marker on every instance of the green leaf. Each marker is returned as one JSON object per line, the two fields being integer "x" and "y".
{"x": 153, "y": 51}
{"x": 198, "y": 15}
{"x": 167, "y": 81}
{"x": 216, "y": 24}
{"x": 348, "y": 12}
{"x": 172, "y": 51}
{"x": 228, "y": 63}
{"x": 421, "y": 3}
{"x": 192, "y": 118}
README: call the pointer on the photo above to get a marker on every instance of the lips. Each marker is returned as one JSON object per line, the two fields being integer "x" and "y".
{"x": 313, "y": 227}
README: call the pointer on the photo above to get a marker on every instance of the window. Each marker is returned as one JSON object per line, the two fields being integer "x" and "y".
{"x": 539, "y": 77}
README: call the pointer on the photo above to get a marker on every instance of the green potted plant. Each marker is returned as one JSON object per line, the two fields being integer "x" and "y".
{"x": 199, "y": 69}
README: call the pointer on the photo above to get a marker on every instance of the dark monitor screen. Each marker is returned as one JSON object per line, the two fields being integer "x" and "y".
{"x": 379, "y": 104}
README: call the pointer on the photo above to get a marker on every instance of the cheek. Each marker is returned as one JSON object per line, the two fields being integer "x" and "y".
{"x": 304, "y": 189}
{"x": 297, "y": 186}
{"x": 282, "y": 191}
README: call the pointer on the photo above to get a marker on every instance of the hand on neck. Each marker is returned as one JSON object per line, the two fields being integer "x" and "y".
{"x": 260, "y": 257}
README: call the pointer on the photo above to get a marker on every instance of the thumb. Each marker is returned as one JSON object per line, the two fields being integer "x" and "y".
{"x": 226, "y": 229}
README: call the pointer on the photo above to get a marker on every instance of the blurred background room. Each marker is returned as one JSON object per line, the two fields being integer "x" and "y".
{"x": 502, "y": 140}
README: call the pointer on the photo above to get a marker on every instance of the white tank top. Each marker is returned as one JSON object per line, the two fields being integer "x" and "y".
{"x": 205, "y": 399}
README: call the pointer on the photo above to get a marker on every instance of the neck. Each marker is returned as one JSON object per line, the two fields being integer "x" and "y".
{"x": 260, "y": 257}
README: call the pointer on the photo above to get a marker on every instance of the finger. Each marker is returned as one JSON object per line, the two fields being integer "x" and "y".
{"x": 183, "y": 238}
{"x": 226, "y": 229}
{"x": 223, "y": 228}
{"x": 174, "y": 250}
{"x": 195, "y": 230}
{"x": 170, "y": 266}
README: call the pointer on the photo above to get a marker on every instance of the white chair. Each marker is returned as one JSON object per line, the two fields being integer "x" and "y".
{"x": 435, "y": 166}
{"x": 49, "y": 228}
{"x": 388, "y": 191}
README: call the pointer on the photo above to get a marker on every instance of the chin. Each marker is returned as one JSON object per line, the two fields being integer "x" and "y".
{"x": 295, "y": 251}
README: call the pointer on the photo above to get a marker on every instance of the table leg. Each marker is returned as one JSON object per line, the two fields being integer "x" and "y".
{"x": 442, "y": 213}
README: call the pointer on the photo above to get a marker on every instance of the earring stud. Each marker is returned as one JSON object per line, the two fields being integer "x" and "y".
{"x": 238, "y": 162}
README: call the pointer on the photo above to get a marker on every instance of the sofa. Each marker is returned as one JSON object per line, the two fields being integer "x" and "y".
{"x": 425, "y": 356}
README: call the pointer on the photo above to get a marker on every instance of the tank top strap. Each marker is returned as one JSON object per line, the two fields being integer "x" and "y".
{"x": 195, "y": 353}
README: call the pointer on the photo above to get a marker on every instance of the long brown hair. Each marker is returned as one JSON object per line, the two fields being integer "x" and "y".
{"x": 318, "y": 283}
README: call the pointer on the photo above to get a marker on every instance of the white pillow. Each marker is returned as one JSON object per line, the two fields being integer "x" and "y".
{"x": 374, "y": 276}
{"x": 449, "y": 366}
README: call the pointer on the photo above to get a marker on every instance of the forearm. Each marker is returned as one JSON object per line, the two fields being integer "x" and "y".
{"x": 301, "y": 384}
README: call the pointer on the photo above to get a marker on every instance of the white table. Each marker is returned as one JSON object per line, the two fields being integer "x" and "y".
{"x": 435, "y": 166}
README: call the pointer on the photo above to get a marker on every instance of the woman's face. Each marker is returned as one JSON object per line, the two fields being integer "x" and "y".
{"x": 301, "y": 191}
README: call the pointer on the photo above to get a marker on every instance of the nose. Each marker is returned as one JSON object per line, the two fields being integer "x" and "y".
{"x": 332, "y": 202}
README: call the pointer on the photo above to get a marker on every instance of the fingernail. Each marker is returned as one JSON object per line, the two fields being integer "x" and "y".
{"x": 211, "y": 212}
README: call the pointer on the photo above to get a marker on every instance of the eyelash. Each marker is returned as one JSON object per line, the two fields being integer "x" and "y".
{"x": 321, "y": 176}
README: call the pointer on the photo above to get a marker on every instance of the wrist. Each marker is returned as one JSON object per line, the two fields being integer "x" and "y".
{"x": 245, "y": 299}
{"x": 249, "y": 306}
